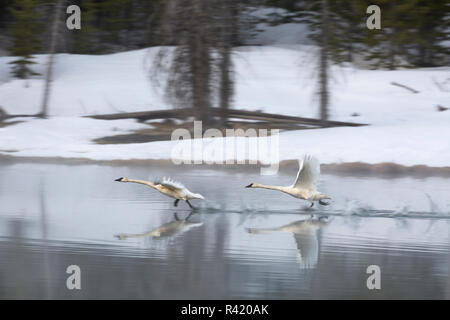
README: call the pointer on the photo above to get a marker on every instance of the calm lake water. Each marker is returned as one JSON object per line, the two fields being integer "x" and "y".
{"x": 130, "y": 242}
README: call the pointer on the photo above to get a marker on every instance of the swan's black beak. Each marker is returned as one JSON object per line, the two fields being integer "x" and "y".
{"x": 120, "y": 179}
{"x": 249, "y": 186}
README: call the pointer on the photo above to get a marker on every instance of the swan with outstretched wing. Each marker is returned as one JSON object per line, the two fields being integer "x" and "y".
{"x": 304, "y": 186}
{"x": 169, "y": 188}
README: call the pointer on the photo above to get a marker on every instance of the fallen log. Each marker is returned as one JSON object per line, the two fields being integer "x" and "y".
{"x": 404, "y": 87}
{"x": 5, "y": 116}
{"x": 230, "y": 113}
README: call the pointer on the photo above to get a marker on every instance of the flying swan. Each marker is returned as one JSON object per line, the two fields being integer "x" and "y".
{"x": 304, "y": 186}
{"x": 170, "y": 188}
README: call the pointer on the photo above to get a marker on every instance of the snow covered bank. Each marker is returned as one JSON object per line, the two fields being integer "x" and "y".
{"x": 272, "y": 79}
{"x": 69, "y": 137}
{"x": 405, "y": 128}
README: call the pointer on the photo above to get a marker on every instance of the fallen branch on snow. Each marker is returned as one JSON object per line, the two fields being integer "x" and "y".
{"x": 404, "y": 87}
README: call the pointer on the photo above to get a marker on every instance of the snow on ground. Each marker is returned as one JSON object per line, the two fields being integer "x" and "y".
{"x": 405, "y": 128}
{"x": 83, "y": 85}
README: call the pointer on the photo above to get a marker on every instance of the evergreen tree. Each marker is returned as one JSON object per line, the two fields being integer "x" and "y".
{"x": 431, "y": 32}
{"x": 321, "y": 21}
{"x": 25, "y": 36}
{"x": 84, "y": 40}
{"x": 203, "y": 32}
{"x": 5, "y": 14}
{"x": 56, "y": 22}
{"x": 116, "y": 21}
{"x": 412, "y": 34}
{"x": 227, "y": 15}
{"x": 388, "y": 47}
{"x": 345, "y": 20}
{"x": 348, "y": 22}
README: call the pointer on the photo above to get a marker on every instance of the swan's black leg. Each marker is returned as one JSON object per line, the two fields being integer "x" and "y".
{"x": 312, "y": 204}
{"x": 190, "y": 205}
{"x": 176, "y": 202}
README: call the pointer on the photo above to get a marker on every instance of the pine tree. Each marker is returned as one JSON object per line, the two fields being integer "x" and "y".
{"x": 412, "y": 34}
{"x": 432, "y": 19}
{"x": 321, "y": 21}
{"x": 227, "y": 15}
{"x": 84, "y": 40}
{"x": 5, "y": 12}
{"x": 348, "y": 22}
{"x": 345, "y": 20}
{"x": 25, "y": 36}
{"x": 56, "y": 22}
{"x": 116, "y": 20}
{"x": 387, "y": 47}
{"x": 203, "y": 32}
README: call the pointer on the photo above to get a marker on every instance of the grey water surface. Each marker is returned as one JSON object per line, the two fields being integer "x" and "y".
{"x": 130, "y": 242}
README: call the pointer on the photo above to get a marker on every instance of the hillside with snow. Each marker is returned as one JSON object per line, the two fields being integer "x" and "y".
{"x": 403, "y": 127}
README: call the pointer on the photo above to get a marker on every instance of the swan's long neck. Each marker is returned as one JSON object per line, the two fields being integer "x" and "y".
{"x": 147, "y": 183}
{"x": 261, "y": 230}
{"x": 263, "y": 186}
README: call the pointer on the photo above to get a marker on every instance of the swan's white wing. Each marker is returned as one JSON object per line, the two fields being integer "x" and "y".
{"x": 308, "y": 173}
{"x": 178, "y": 187}
{"x": 170, "y": 184}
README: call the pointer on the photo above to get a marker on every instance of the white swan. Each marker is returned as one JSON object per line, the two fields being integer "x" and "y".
{"x": 304, "y": 186}
{"x": 170, "y": 188}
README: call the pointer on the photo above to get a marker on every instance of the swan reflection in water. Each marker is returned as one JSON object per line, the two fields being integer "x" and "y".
{"x": 306, "y": 237}
{"x": 167, "y": 230}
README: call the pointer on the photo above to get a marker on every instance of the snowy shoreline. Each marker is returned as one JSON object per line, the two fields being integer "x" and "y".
{"x": 290, "y": 166}
{"x": 404, "y": 128}
{"x": 406, "y": 144}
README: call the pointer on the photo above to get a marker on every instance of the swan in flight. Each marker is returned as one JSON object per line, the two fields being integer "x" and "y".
{"x": 304, "y": 186}
{"x": 170, "y": 188}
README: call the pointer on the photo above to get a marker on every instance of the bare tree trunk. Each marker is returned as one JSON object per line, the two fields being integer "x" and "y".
{"x": 228, "y": 30}
{"x": 225, "y": 83}
{"x": 323, "y": 68}
{"x": 197, "y": 75}
{"x": 201, "y": 61}
{"x": 51, "y": 58}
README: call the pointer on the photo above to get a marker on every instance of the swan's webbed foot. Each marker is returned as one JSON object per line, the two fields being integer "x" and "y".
{"x": 176, "y": 202}
{"x": 323, "y": 203}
